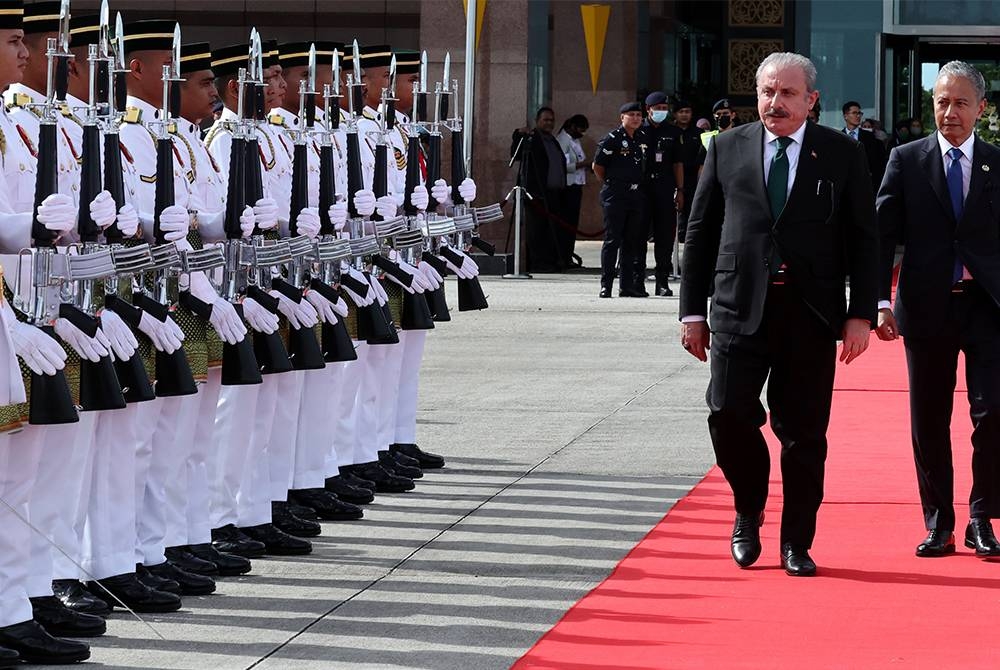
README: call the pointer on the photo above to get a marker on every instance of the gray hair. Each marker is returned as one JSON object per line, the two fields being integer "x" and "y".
{"x": 957, "y": 68}
{"x": 782, "y": 59}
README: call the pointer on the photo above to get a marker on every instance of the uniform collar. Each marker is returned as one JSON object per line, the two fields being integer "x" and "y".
{"x": 291, "y": 120}
{"x": 32, "y": 94}
{"x": 228, "y": 115}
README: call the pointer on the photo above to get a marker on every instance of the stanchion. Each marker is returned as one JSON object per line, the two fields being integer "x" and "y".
{"x": 518, "y": 192}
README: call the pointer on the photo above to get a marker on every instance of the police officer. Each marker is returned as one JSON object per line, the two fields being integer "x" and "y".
{"x": 620, "y": 163}
{"x": 662, "y": 189}
{"x": 725, "y": 119}
{"x": 690, "y": 145}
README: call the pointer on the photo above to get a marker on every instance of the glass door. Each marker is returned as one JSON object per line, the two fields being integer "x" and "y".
{"x": 898, "y": 83}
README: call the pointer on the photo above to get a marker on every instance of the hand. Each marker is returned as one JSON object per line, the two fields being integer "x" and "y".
{"x": 380, "y": 294}
{"x": 679, "y": 200}
{"x": 259, "y": 318}
{"x": 299, "y": 314}
{"x": 364, "y": 202}
{"x": 102, "y": 210}
{"x": 308, "y": 222}
{"x": 174, "y": 223}
{"x": 40, "y": 353}
{"x": 57, "y": 213}
{"x": 323, "y": 307}
{"x": 359, "y": 300}
{"x": 696, "y": 338}
{"x": 468, "y": 264}
{"x": 128, "y": 220}
{"x": 440, "y": 192}
{"x": 123, "y": 342}
{"x": 226, "y": 321}
{"x": 265, "y": 213}
{"x": 467, "y": 189}
{"x": 887, "y": 329}
{"x": 89, "y": 348}
{"x": 340, "y": 308}
{"x": 338, "y": 214}
{"x": 431, "y": 275}
{"x": 163, "y": 337}
{"x": 856, "y": 334}
{"x": 386, "y": 206}
{"x": 418, "y": 283}
{"x": 247, "y": 221}
{"x": 419, "y": 198}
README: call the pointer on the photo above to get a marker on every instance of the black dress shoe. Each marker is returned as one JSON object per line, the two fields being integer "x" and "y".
{"x": 301, "y": 511}
{"x": 154, "y": 582}
{"x": 136, "y": 594}
{"x": 191, "y": 583}
{"x": 327, "y": 505}
{"x": 231, "y": 540}
{"x": 937, "y": 543}
{"x": 632, "y": 294}
{"x": 745, "y": 544}
{"x": 605, "y": 293}
{"x": 276, "y": 542}
{"x": 229, "y": 565}
{"x": 35, "y": 645}
{"x": 385, "y": 481}
{"x": 61, "y": 621}
{"x": 402, "y": 458}
{"x": 290, "y": 523}
{"x": 356, "y": 495}
{"x": 393, "y": 466}
{"x": 979, "y": 536}
{"x": 352, "y": 478}
{"x": 796, "y": 561}
{"x": 9, "y": 658}
{"x": 75, "y": 596}
{"x": 665, "y": 292}
{"x": 183, "y": 559}
{"x": 427, "y": 460}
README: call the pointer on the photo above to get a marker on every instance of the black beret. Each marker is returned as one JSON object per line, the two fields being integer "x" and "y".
{"x": 228, "y": 60}
{"x": 407, "y": 61}
{"x": 195, "y": 57}
{"x": 630, "y": 107}
{"x": 11, "y": 14}
{"x": 721, "y": 104}
{"x": 42, "y": 17}
{"x": 84, "y": 29}
{"x": 149, "y": 35}
{"x": 656, "y": 98}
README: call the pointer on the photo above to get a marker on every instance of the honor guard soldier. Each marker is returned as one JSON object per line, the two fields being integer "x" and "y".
{"x": 620, "y": 163}
{"x": 663, "y": 188}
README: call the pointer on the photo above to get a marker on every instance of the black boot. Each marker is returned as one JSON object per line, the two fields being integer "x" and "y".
{"x": 75, "y": 596}
{"x": 231, "y": 540}
{"x": 181, "y": 558}
{"x": 427, "y": 460}
{"x": 285, "y": 521}
{"x": 277, "y": 542}
{"x": 391, "y": 464}
{"x": 191, "y": 584}
{"x": 385, "y": 481}
{"x": 35, "y": 645}
{"x": 229, "y": 565}
{"x": 137, "y": 595}
{"x": 356, "y": 495}
{"x": 59, "y": 620}
{"x": 327, "y": 505}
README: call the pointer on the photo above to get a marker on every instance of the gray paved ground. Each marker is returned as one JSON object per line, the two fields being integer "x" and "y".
{"x": 571, "y": 424}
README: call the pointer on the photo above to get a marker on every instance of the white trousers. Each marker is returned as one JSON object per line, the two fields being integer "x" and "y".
{"x": 366, "y": 443}
{"x": 413, "y": 342}
{"x": 146, "y": 423}
{"x": 388, "y": 392}
{"x": 315, "y": 426}
{"x": 281, "y": 442}
{"x": 20, "y": 455}
{"x": 233, "y": 439}
{"x": 345, "y": 430}
{"x": 176, "y": 441}
{"x": 203, "y": 452}
{"x": 337, "y": 373}
{"x": 253, "y": 502}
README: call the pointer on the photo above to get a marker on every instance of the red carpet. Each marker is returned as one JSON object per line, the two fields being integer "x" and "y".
{"x": 678, "y": 600}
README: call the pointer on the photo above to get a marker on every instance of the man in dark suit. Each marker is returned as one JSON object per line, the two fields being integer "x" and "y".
{"x": 874, "y": 149}
{"x": 940, "y": 198}
{"x": 783, "y": 212}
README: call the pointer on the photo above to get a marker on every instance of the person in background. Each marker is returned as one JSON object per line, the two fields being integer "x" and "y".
{"x": 703, "y": 124}
{"x": 690, "y": 143}
{"x": 663, "y": 189}
{"x": 577, "y": 167}
{"x": 873, "y": 148}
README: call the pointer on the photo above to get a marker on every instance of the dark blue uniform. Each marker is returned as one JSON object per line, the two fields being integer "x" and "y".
{"x": 623, "y": 159}
{"x": 661, "y": 214}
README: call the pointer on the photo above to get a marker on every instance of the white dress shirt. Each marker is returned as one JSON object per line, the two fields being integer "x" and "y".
{"x": 574, "y": 154}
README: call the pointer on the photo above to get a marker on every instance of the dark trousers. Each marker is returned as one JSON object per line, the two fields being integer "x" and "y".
{"x": 566, "y": 229}
{"x": 974, "y": 329}
{"x": 661, "y": 216}
{"x": 543, "y": 245}
{"x": 623, "y": 229}
{"x": 795, "y": 353}
{"x": 682, "y": 217}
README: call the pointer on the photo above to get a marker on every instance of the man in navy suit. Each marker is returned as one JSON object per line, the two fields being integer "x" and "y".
{"x": 940, "y": 199}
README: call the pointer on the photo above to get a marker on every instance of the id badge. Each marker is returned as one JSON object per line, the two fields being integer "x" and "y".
{"x": 659, "y": 157}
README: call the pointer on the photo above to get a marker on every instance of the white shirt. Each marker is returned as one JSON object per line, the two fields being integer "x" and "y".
{"x": 792, "y": 151}
{"x": 574, "y": 154}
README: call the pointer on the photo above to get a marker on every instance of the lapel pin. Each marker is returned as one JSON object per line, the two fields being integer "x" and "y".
{"x": 813, "y": 154}
{"x": 986, "y": 168}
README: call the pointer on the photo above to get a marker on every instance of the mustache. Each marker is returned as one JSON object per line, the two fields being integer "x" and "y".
{"x": 776, "y": 114}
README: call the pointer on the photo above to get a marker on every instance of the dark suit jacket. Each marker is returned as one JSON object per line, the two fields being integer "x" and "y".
{"x": 536, "y": 170}
{"x": 875, "y": 152}
{"x": 826, "y": 231}
{"x": 914, "y": 208}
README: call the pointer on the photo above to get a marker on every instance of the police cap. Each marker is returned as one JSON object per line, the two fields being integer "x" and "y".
{"x": 721, "y": 104}
{"x": 630, "y": 107}
{"x": 656, "y": 98}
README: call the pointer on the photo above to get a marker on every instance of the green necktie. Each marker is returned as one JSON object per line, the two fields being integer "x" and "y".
{"x": 777, "y": 178}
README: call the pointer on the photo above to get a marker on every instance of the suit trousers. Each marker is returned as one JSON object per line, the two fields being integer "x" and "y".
{"x": 541, "y": 231}
{"x": 974, "y": 329}
{"x": 566, "y": 234}
{"x": 623, "y": 235}
{"x": 795, "y": 352}
{"x": 661, "y": 217}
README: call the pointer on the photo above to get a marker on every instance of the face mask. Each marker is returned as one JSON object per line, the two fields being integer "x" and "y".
{"x": 916, "y": 130}
{"x": 724, "y": 122}
{"x": 659, "y": 115}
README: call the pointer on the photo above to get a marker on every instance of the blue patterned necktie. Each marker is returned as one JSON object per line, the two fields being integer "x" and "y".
{"x": 954, "y": 178}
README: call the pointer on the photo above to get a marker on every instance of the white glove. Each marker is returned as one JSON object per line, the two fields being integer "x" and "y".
{"x": 420, "y": 282}
{"x": 432, "y": 275}
{"x": 441, "y": 192}
{"x": 123, "y": 342}
{"x": 380, "y": 293}
{"x": 467, "y": 189}
{"x": 128, "y": 220}
{"x": 468, "y": 264}
{"x": 386, "y": 206}
{"x": 259, "y": 318}
{"x": 359, "y": 300}
{"x": 364, "y": 202}
{"x": 419, "y": 197}
{"x": 324, "y": 308}
{"x": 163, "y": 337}
{"x": 57, "y": 213}
{"x": 103, "y": 209}
{"x": 38, "y": 351}
{"x": 338, "y": 215}
{"x": 300, "y": 314}
{"x": 226, "y": 321}
{"x": 308, "y": 222}
{"x": 247, "y": 221}
{"x": 459, "y": 270}
{"x": 340, "y": 308}
{"x": 265, "y": 213}
{"x": 174, "y": 330}
{"x": 89, "y": 348}
{"x": 174, "y": 223}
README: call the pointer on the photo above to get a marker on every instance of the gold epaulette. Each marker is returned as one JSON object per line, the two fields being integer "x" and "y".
{"x": 3, "y": 146}
{"x": 132, "y": 115}
{"x": 277, "y": 120}
{"x": 368, "y": 115}
{"x": 65, "y": 110}
{"x": 19, "y": 100}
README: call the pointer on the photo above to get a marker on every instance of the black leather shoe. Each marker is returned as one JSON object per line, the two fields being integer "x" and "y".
{"x": 391, "y": 465}
{"x": 135, "y": 593}
{"x": 301, "y": 511}
{"x": 327, "y": 505}
{"x": 632, "y": 294}
{"x": 191, "y": 584}
{"x": 979, "y": 536}
{"x": 745, "y": 544}
{"x": 937, "y": 543}
{"x": 231, "y": 540}
{"x": 292, "y": 524}
{"x": 184, "y": 560}
{"x": 356, "y": 495}
{"x": 427, "y": 460}
{"x": 352, "y": 478}
{"x": 75, "y": 596}
{"x": 156, "y": 583}
{"x": 229, "y": 565}
{"x": 9, "y": 658}
{"x": 385, "y": 481}
{"x": 35, "y": 645}
{"x": 605, "y": 293}
{"x": 665, "y": 292}
{"x": 402, "y": 458}
{"x": 61, "y": 621}
{"x": 276, "y": 542}
{"x": 796, "y": 561}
